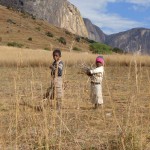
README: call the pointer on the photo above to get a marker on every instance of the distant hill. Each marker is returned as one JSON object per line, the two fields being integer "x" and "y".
{"x": 25, "y": 31}
{"x": 134, "y": 40}
{"x": 60, "y": 13}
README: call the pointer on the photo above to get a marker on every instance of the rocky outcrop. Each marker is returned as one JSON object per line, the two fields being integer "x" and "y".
{"x": 60, "y": 13}
{"x": 134, "y": 40}
{"x": 94, "y": 32}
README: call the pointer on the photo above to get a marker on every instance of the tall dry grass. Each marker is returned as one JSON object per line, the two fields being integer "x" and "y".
{"x": 28, "y": 57}
{"x": 121, "y": 124}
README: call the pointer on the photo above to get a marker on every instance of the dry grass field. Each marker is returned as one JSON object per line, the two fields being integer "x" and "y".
{"x": 122, "y": 124}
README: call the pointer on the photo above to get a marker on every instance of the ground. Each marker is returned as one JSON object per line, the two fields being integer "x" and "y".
{"x": 122, "y": 122}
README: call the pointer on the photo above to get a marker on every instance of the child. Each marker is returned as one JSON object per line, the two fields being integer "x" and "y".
{"x": 96, "y": 76}
{"x": 56, "y": 90}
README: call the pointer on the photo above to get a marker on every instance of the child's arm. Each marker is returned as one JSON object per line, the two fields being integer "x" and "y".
{"x": 60, "y": 68}
{"x": 97, "y": 70}
{"x": 51, "y": 67}
{"x": 88, "y": 73}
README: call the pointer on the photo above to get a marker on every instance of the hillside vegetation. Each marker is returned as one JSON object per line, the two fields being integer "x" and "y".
{"x": 23, "y": 30}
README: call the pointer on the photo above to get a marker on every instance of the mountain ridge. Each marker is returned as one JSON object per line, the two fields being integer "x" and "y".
{"x": 135, "y": 40}
{"x": 69, "y": 17}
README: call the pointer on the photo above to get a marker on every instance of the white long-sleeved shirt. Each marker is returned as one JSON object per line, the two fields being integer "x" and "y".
{"x": 97, "y": 74}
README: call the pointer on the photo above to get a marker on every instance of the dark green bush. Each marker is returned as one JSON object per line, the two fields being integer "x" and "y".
{"x": 47, "y": 49}
{"x": 78, "y": 38}
{"x": 117, "y": 50}
{"x": 49, "y": 34}
{"x": 100, "y": 48}
{"x": 83, "y": 38}
{"x": 30, "y": 39}
{"x": 14, "y": 44}
{"x": 90, "y": 41}
{"x": 62, "y": 40}
{"x": 76, "y": 49}
{"x": 67, "y": 32}
{"x": 11, "y": 21}
{"x": 33, "y": 17}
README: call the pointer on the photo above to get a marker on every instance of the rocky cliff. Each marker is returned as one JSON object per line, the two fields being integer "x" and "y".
{"x": 134, "y": 40}
{"x": 60, "y": 13}
{"x": 94, "y": 32}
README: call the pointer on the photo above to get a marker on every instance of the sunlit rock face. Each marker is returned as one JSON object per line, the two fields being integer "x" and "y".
{"x": 60, "y": 13}
{"x": 94, "y": 32}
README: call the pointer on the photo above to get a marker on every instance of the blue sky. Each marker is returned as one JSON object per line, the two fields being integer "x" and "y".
{"x": 114, "y": 16}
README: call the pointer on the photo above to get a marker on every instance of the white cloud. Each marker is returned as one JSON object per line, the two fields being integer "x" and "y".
{"x": 112, "y": 23}
{"x": 139, "y": 2}
{"x": 96, "y": 11}
{"x": 139, "y": 5}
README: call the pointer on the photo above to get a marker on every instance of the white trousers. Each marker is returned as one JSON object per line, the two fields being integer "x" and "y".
{"x": 96, "y": 94}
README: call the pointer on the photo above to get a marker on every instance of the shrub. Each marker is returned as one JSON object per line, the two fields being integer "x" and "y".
{"x": 78, "y": 38}
{"x": 62, "y": 40}
{"x": 100, "y": 48}
{"x": 24, "y": 14}
{"x": 8, "y": 7}
{"x": 117, "y": 50}
{"x": 67, "y": 32}
{"x": 30, "y": 39}
{"x": 14, "y": 44}
{"x": 49, "y": 34}
{"x": 76, "y": 49}
{"x": 11, "y": 21}
{"x": 89, "y": 40}
{"x": 38, "y": 28}
{"x": 47, "y": 49}
{"x": 82, "y": 37}
{"x": 33, "y": 17}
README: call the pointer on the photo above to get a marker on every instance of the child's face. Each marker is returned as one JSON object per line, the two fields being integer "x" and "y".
{"x": 99, "y": 64}
{"x": 56, "y": 56}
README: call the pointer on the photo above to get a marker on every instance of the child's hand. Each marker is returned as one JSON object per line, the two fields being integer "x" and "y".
{"x": 51, "y": 67}
{"x": 88, "y": 73}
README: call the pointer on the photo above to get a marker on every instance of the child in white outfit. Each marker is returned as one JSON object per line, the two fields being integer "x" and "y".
{"x": 96, "y": 76}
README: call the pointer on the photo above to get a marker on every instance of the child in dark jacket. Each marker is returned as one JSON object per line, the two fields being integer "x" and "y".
{"x": 55, "y": 91}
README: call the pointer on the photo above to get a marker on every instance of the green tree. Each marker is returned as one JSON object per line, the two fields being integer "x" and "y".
{"x": 100, "y": 48}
